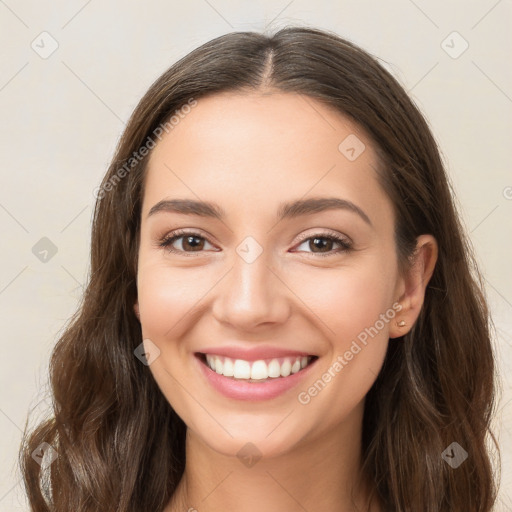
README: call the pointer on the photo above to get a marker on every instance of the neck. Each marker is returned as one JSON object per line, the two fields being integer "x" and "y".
{"x": 319, "y": 474}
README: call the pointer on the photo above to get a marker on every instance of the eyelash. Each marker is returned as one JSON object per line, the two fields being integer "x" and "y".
{"x": 167, "y": 241}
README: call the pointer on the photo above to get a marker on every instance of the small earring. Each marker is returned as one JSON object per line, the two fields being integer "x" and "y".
{"x": 401, "y": 323}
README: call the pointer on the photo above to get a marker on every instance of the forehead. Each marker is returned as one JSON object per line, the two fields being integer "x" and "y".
{"x": 252, "y": 151}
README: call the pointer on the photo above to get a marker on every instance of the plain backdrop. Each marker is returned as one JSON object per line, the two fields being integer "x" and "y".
{"x": 72, "y": 72}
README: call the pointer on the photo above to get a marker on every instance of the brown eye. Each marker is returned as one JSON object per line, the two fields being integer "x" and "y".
{"x": 318, "y": 244}
{"x": 189, "y": 242}
{"x": 322, "y": 244}
{"x": 194, "y": 243}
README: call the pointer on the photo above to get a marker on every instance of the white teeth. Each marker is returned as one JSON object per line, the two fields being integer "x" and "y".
{"x": 286, "y": 368}
{"x": 274, "y": 368}
{"x": 242, "y": 369}
{"x": 259, "y": 370}
{"x": 296, "y": 366}
{"x": 256, "y": 370}
{"x": 228, "y": 368}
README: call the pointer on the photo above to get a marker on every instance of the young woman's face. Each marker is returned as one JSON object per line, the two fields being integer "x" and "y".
{"x": 256, "y": 275}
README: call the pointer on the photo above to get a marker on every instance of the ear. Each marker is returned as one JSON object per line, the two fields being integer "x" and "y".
{"x": 411, "y": 287}
{"x": 136, "y": 309}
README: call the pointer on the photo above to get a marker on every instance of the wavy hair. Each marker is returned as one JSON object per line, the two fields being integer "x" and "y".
{"x": 121, "y": 446}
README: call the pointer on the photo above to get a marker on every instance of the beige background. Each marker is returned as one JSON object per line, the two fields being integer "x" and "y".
{"x": 62, "y": 115}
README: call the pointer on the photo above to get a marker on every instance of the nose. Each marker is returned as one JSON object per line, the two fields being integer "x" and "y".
{"x": 252, "y": 295}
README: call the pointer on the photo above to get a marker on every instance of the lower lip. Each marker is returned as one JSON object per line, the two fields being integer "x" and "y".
{"x": 242, "y": 390}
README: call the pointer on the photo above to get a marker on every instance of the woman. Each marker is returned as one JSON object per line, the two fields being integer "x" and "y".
{"x": 283, "y": 311}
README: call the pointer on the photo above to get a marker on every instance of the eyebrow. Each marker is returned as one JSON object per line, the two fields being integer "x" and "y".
{"x": 285, "y": 211}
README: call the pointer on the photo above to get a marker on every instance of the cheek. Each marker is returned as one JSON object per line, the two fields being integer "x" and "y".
{"x": 353, "y": 307}
{"x": 168, "y": 301}
{"x": 167, "y": 295}
{"x": 347, "y": 300}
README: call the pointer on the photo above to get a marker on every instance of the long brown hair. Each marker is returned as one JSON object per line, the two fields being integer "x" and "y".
{"x": 120, "y": 445}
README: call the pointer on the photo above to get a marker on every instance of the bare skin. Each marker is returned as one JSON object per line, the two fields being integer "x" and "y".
{"x": 249, "y": 153}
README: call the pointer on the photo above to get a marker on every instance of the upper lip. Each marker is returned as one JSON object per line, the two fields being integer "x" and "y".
{"x": 254, "y": 353}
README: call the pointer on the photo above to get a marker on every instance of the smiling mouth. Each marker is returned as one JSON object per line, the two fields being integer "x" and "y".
{"x": 256, "y": 371}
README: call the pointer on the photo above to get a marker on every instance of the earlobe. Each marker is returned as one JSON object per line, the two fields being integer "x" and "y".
{"x": 136, "y": 309}
{"x": 414, "y": 285}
